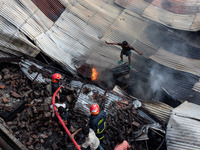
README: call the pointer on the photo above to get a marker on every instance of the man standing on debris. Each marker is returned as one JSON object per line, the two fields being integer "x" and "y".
{"x": 97, "y": 120}
{"x": 126, "y": 50}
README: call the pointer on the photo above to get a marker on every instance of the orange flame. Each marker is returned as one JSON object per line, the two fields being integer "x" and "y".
{"x": 94, "y": 74}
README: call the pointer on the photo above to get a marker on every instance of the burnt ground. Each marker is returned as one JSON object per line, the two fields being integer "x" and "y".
{"x": 24, "y": 105}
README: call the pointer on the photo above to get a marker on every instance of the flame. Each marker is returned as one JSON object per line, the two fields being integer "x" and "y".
{"x": 94, "y": 74}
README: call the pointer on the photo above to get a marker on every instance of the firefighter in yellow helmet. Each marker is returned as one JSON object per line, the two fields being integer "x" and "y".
{"x": 97, "y": 120}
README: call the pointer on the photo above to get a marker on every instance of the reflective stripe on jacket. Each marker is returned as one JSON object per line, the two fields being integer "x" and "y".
{"x": 98, "y": 123}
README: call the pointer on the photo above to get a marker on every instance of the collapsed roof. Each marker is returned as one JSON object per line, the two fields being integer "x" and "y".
{"x": 72, "y": 33}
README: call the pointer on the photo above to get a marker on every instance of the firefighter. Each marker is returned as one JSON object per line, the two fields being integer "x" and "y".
{"x": 97, "y": 120}
{"x": 56, "y": 77}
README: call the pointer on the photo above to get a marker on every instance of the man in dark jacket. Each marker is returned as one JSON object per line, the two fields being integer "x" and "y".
{"x": 64, "y": 114}
{"x": 97, "y": 120}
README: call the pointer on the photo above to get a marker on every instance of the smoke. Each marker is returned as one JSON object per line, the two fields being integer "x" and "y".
{"x": 156, "y": 81}
{"x": 154, "y": 77}
{"x": 105, "y": 78}
{"x": 141, "y": 90}
{"x": 151, "y": 84}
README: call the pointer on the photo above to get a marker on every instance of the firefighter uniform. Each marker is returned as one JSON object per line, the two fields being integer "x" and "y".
{"x": 55, "y": 82}
{"x": 98, "y": 124}
{"x": 54, "y": 87}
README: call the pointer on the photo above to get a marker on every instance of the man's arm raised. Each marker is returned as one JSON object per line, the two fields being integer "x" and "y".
{"x": 111, "y": 43}
{"x": 136, "y": 50}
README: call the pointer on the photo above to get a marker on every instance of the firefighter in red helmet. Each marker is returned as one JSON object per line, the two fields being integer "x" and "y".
{"x": 97, "y": 120}
{"x": 56, "y": 77}
{"x": 55, "y": 81}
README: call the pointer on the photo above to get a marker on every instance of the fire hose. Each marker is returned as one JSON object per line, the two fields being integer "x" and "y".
{"x": 60, "y": 119}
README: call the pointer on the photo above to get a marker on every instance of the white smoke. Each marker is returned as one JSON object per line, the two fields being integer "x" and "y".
{"x": 156, "y": 81}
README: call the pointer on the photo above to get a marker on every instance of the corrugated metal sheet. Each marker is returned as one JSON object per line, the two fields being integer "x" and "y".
{"x": 187, "y": 109}
{"x": 177, "y": 21}
{"x": 118, "y": 90}
{"x": 76, "y": 84}
{"x": 81, "y": 38}
{"x": 16, "y": 19}
{"x": 13, "y": 42}
{"x": 144, "y": 115}
{"x": 25, "y": 66}
{"x": 25, "y": 16}
{"x": 179, "y": 6}
{"x": 84, "y": 101}
{"x": 183, "y": 15}
{"x": 177, "y": 62}
{"x": 51, "y": 8}
{"x": 183, "y": 128}
{"x": 158, "y": 109}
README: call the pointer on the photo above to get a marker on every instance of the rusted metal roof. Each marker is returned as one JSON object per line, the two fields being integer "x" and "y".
{"x": 178, "y": 6}
{"x": 183, "y": 127}
{"x": 51, "y": 8}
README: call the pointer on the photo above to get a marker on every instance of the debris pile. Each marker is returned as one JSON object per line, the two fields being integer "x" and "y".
{"x": 124, "y": 118}
{"x": 34, "y": 125}
{"x": 13, "y": 90}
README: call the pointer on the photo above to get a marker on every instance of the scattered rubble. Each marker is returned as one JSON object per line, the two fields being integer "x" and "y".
{"x": 33, "y": 124}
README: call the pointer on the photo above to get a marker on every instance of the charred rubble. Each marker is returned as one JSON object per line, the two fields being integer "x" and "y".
{"x": 25, "y": 107}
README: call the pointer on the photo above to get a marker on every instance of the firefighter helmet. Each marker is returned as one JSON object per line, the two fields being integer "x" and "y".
{"x": 56, "y": 77}
{"x": 94, "y": 109}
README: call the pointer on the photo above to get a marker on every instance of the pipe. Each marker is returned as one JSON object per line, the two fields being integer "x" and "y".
{"x": 60, "y": 119}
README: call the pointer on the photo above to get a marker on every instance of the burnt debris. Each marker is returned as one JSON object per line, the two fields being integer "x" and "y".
{"x": 25, "y": 107}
